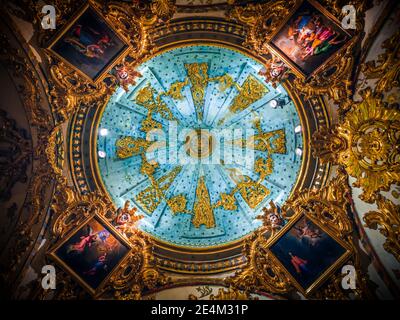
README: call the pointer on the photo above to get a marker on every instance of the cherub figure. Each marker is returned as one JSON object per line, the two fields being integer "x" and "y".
{"x": 126, "y": 75}
{"x": 272, "y": 217}
{"x": 85, "y": 241}
{"x": 274, "y": 71}
{"x": 126, "y": 220}
{"x": 308, "y": 234}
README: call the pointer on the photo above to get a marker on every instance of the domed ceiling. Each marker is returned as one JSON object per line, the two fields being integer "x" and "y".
{"x": 200, "y": 150}
{"x": 200, "y": 145}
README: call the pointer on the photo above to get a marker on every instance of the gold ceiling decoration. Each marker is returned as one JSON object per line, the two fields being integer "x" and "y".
{"x": 126, "y": 147}
{"x": 138, "y": 270}
{"x": 223, "y": 294}
{"x": 328, "y": 206}
{"x": 251, "y": 91}
{"x": 197, "y": 75}
{"x": 163, "y": 9}
{"x": 202, "y": 209}
{"x": 387, "y": 221}
{"x": 253, "y": 192}
{"x": 149, "y": 99}
{"x": 68, "y": 89}
{"x": 75, "y": 208}
{"x": 366, "y": 144}
{"x": 362, "y": 143}
{"x": 260, "y": 271}
{"x": 333, "y": 78}
{"x": 387, "y": 67}
{"x": 385, "y": 146}
{"x": 54, "y": 151}
{"x": 25, "y": 75}
{"x": 231, "y": 294}
{"x": 271, "y": 142}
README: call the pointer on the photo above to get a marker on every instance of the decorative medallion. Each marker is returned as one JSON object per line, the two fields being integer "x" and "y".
{"x": 199, "y": 145}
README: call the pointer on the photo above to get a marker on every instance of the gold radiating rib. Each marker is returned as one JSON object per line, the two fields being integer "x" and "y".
{"x": 202, "y": 209}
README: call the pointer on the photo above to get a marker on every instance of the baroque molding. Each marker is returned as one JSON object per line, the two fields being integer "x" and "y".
{"x": 28, "y": 84}
{"x": 365, "y": 144}
{"x": 67, "y": 89}
{"x": 327, "y": 205}
{"x": 15, "y": 155}
{"x": 138, "y": 271}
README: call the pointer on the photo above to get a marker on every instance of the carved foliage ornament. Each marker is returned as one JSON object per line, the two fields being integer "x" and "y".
{"x": 222, "y": 294}
{"x": 14, "y": 156}
{"x": 387, "y": 66}
{"x": 382, "y": 145}
{"x": 262, "y": 21}
{"x": 387, "y": 221}
{"x": 366, "y": 143}
{"x": 23, "y": 73}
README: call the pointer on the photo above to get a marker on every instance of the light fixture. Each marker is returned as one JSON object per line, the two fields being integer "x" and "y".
{"x": 273, "y": 104}
{"x": 278, "y": 102}
{"x": 299, "y": 151}
{"x": 297, "y": 129}
{"x": 101, "y": 154}
{"x": 103, "y": 132}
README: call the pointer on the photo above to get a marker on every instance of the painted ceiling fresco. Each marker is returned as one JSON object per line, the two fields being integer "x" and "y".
{"x": 200, "y": 145}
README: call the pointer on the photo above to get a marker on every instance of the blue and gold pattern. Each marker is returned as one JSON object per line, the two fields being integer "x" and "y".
{"x": 234, "y": 150}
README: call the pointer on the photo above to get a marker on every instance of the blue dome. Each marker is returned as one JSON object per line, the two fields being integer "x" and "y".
{"x": 199, "y": 145}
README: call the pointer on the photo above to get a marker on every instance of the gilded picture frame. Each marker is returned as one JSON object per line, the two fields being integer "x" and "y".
{"x": 54, "y": 254}
{"x": 109, "y": 34}
{"x": 333, "y": 23}
{"x": 326, "y": 272}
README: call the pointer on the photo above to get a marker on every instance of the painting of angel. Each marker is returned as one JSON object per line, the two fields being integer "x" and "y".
{"x": 306, "y": 251}
{"x": 92, "y": 252}
{"x": 89, "y": 44}
{"x": 309, "y": 38}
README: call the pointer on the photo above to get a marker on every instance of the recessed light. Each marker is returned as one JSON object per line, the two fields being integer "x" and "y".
{"x": 101, "y": 154}
{"x": 273, "y": 103}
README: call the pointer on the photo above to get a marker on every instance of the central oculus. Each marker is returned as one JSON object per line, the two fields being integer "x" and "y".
{"x": 199, "y": 145}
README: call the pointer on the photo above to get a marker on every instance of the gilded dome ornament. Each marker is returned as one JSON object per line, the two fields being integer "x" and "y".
{"x": 366, "y": 144}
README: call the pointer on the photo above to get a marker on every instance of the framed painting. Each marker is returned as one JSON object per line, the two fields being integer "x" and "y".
{"x": 308, "y": 252}
{"x": 309, "y": 38}
{"x": 91, "y": 253}
{"x": 89, "y": 44}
